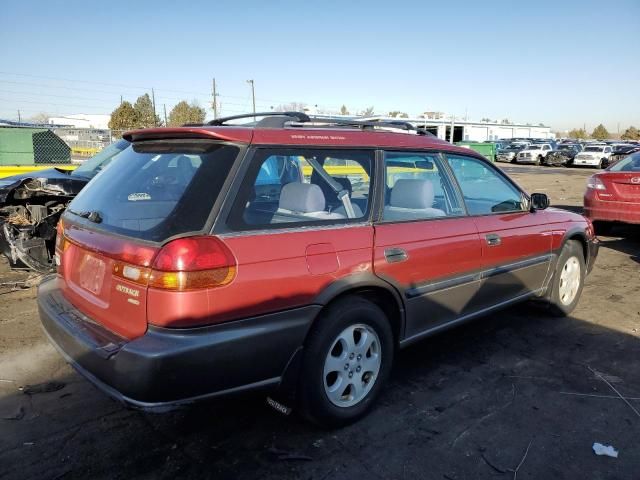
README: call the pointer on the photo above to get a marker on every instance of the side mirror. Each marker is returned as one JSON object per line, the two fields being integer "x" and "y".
{"x": 539, "y": 201}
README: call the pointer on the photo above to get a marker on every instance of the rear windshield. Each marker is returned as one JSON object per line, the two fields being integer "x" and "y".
{"x": 155, "y": 190}
{"x": 629, "y": 164}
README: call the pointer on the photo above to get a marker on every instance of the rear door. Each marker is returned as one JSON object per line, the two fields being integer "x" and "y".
{"x": 425, "y": 245}
{"x": 516, "y": 243}
{"x": 294, "y": 242}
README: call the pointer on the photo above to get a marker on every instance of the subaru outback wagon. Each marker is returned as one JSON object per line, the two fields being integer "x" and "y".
{"x": 295, "y": 255}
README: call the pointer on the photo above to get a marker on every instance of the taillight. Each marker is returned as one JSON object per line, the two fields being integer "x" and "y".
{"x": 184, "y": 264}
{"x": 595, "y": 183}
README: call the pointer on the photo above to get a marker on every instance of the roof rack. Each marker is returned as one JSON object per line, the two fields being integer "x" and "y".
{"x": 300, "y": 119}
{"x": 299, "y": 116}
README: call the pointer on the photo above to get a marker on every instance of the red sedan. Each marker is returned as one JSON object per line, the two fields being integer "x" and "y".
{"x": 614, "y": 195}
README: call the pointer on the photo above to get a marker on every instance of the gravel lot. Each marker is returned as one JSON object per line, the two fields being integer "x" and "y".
{"x": 468, "y": 404}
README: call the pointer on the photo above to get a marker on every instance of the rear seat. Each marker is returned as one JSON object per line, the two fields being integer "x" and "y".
{"x": 304, "y": 199}
{"x": 411, "y": 199}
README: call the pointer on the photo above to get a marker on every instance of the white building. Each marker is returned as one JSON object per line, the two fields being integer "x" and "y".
{"x": 82, "y": 120}
{"x": 466, "y": 130}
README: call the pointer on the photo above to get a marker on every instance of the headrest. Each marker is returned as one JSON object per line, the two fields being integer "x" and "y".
{"x": 302, "y": 197}
{"x": 412, "y": 193}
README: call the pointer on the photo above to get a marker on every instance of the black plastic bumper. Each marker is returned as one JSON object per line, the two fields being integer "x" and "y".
{"x": 166, "y": 368}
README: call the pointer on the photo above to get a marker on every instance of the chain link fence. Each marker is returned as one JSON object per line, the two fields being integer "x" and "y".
{"x": 34, "y": 146}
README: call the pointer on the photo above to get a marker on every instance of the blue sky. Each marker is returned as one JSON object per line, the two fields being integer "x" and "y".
{"x": 563, "y": 63}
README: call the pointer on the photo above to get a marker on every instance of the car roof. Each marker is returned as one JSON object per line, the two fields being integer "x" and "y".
{"x": 325, "y": 133}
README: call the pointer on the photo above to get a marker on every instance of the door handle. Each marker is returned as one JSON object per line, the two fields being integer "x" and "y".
{"x": 395, "y": 255}
{"x": 493, "y": 239}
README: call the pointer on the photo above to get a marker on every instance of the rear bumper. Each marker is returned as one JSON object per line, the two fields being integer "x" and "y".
{"x": 166, "y": 368}
{"x": 598, "y": 210}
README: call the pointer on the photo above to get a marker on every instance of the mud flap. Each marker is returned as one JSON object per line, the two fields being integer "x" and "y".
{"x": 284, "y": 397}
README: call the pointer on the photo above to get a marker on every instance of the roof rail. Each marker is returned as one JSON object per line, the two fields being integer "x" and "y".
{"x": 299, "y": 116}
{"x": 368, "y": 124}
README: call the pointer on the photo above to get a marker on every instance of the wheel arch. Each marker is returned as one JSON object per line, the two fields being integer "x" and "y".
{"x": 577, "y": 234}
{"x": 371, "y": 288}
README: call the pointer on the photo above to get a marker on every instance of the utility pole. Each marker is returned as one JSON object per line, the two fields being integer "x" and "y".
{"x": 253, "y": 95}
{"x": 215, "y": 100}
{"x": 120, "y": 99}
{"x": 164, "y": 105}
{"x": 19, "y": 117}
{"x": 153, "y": 101}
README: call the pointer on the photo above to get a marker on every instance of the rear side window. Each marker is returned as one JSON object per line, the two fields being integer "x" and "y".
{"x": 155, "y": 190}
{"x": 417, "y": 188}
{"x": 485, "y": 191}
{"x": 286, "y": 187}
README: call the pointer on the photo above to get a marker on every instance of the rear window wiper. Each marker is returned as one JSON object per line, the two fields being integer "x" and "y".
{"x": 92, "y": 216}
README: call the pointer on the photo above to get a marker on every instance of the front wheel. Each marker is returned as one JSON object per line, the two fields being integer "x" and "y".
{"x": 347, "y": 360}
{"x": 539, "y": 160}
{"x": 568, "y": 279}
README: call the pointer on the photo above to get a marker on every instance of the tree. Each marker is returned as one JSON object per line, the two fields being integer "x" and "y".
{"x": 579, "y": 134}
{"x": 184, "y": 113}
{"x": 343, "y": 110}
{"x": 485, "y": 120}
{"x": 600, "y": 133}
{"x": 123, "y": 117}
{"x": 631, "y": 133}
{"x": 367, "y": 112}
{"x": 145, "y": 115}
{"x": 39, "y": 118}
{"x": 505, "y": 121}
{"x": 398, "y": 114}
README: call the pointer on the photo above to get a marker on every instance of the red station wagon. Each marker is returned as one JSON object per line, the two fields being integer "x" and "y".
{"x": 296, "y": 255}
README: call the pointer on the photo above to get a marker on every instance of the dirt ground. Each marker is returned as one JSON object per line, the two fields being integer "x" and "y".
{"x": 518, "y": 390}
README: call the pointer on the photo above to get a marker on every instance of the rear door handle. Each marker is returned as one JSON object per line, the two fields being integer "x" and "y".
{"x": 493, "y": 239}
{"x": 395, "y": 255}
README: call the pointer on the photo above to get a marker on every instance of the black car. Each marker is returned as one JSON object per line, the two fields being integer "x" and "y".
{"x": 31, "y": 204}
{"x": 562, "y": 155}
{"x": 623, "y": 151}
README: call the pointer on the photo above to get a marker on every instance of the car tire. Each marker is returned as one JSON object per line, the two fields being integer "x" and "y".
{"x": 602, "y": 164}
{"x": 603, "y": 228}
{"x": 539, "y": 160}
{"x": 328, "y": 395}
{"x": 568, "y": 279}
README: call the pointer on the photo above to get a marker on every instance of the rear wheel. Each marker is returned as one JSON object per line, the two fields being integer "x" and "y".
{"x": 347, "y": 360}
{"x": 568, "y": 279}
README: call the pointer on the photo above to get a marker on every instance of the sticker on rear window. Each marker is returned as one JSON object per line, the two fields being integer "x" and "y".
{"x": 136, "y": 197}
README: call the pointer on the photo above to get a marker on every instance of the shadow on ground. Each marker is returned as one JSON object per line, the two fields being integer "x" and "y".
{"x": 464, "y": 404}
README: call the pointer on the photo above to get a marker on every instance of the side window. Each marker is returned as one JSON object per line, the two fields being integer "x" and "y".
{"x": 417, "y": 188}
{"x": 284, "y": 187}
{"x": 485, "y": 191}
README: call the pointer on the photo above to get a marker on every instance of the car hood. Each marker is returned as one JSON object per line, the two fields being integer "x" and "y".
{"x": 55, "y": 181}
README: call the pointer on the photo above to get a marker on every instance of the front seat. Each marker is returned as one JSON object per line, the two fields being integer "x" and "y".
{"x": 411, "y": 199}
{"x": 304, "y": 199}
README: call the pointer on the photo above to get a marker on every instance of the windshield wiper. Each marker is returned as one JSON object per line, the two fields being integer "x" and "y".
{"x": 92, "y": 216}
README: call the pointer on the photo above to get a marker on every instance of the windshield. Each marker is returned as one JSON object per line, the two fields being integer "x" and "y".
{"x": 157, "y": 189}
{"x": 93, "y": 165}
{"x": 628, "y": 164}
{"x": 566, "y": 147}
{"x": 534, "y": 147}
{"x": 594, "y": 149}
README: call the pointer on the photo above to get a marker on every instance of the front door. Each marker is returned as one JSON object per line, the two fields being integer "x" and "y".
{"x": 516, "y": 243}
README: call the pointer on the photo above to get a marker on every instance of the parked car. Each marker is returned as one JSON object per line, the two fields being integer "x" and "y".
{"x": 181, "y": 278}
{"x": 534, "y": 153}
{"x": 508, "y": 153}
{"x": 614, "y": 195}
{"x": 563, "y": 155}
{"x": 31, "y": 204}
{"x": 593, "y": 155}
{"x": 622, "y": 151}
